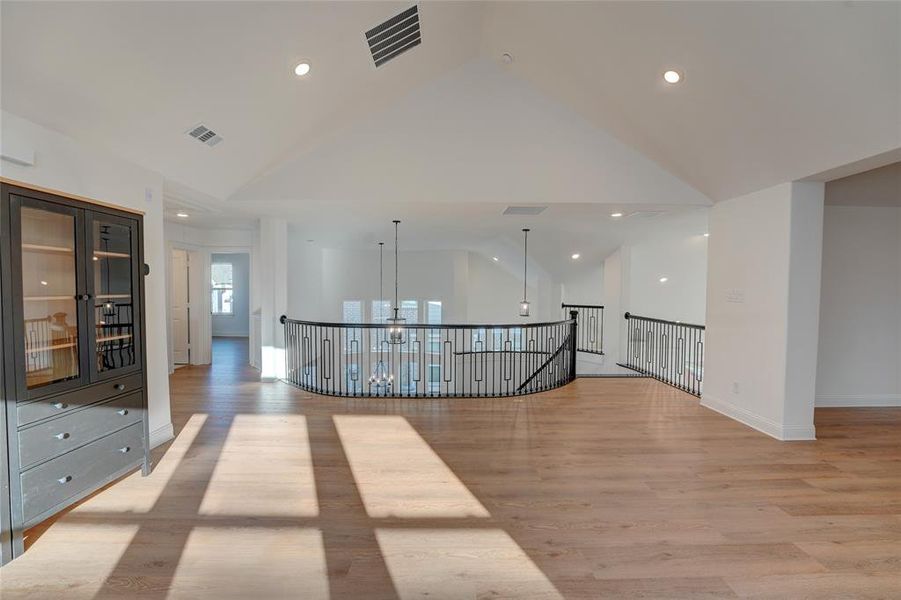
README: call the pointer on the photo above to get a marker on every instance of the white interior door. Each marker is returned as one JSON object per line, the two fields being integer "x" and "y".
{"x": 179, "y": 310}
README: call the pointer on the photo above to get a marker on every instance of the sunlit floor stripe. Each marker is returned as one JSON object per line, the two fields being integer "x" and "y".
{"x": 138, "y": 494}
{"x": 397, "y": 472}
{"x": 461, "y": 564}
{"x": 265, "y": 469}
{"x": 64, "y": 554}
{"x": 239, "y": 564}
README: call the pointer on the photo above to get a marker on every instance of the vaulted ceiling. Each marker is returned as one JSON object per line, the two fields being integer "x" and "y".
{"x": 772, "y": 91}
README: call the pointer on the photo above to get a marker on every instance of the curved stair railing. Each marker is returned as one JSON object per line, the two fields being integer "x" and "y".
{"x": 432, "y": 361}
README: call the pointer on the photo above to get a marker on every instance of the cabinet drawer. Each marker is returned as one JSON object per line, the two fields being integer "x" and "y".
{"x": 55, "y": 481}
{"x": 63, "y": 403}
{"x": 58, "y": 436}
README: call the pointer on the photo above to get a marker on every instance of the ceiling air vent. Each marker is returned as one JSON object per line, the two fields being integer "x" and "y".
{"x": 205, "y": 135}
{"x": 395, "y": 36}
{"x": 524, "y": 210}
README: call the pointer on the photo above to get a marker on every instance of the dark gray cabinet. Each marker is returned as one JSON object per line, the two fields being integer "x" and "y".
{"x": 74, "y": 412}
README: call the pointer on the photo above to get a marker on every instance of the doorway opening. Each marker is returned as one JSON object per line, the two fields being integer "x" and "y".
{"x": 229, "y": 303}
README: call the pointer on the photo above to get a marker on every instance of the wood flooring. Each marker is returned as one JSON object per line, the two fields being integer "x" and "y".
{"x": 607, "y": 488}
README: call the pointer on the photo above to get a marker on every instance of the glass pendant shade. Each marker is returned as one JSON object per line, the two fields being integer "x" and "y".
{"x": 523, "y": 309}
{"x": 109, "y": 309}
{"x": 524, "y": 305}
{"x": 396, "y": 323}
{"x": 396, "y": 329}
{"x": 380, "y": 377}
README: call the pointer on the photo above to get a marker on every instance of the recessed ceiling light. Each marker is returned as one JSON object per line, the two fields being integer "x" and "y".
{"x": 706, "y": 235}
{"x": 576, "y": 256}
{"x": 43, "y": 283}
{"x": 302, "y": 69}
{"x": 664, "y": 279}
{"x": 181, "y": 215}
{"x": 672, "y": 76}
{"x": 616, "y": 215}
{"x": 495, "y": 259}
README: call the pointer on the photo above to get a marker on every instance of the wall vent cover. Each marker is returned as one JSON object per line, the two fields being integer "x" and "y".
{"x": 524, "y": 210}
{"x": 204, "y": 135}
{"x": 395, "y": 36}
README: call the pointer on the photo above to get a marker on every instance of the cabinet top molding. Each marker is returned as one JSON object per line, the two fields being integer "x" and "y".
{"x": 46, "y": 190}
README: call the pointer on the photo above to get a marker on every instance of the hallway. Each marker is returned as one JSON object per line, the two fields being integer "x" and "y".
{"x": 621, "y": 488}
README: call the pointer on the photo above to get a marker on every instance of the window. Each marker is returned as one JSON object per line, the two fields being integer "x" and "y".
{"x": 433, "y": 312}
{"x": 434, "y": 378}
{"x": 433, "y": 317}
{"x": 409, "y": 310}
{"x": 353, "y": 311}
{"x": 223, "y": 288}
{"x": 381, "y": 309}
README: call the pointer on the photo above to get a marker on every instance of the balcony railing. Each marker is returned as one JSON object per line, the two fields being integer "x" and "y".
{"x": 590, "y": 320}
{"x": 669, "y": 351}
{"x": 340, "y": 359}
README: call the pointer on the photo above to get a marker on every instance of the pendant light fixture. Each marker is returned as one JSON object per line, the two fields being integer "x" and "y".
{"x": 524, "y": 305}
{"x": 396, "y": 330}
{"x": 380, "y": 377}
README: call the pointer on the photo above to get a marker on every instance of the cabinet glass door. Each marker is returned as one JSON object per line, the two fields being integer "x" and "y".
{"x": 111, "y": 279}
{"x": 50, "y": 295}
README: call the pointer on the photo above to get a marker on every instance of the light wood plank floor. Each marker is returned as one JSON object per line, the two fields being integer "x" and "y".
{"x": 608, "y": 488}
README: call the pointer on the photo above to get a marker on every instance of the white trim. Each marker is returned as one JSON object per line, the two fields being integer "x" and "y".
{"x": 161, "y": 435}
{"x": 861, "y": 401}
{"x": 764, "y": 425}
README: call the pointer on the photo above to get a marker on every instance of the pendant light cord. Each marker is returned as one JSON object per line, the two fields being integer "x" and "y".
{"x": 381, "y": 277}
{"x": 395, "y": 269}
{"x": 525, "y": 264}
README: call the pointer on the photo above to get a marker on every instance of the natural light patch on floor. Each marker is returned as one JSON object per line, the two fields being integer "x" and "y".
{"x": 138, "y": 494}
{"x": 264, "y": 469}
{"x": 57, "y": 564}
{"x": 243, "y": 563}
{"x": 397, "y": 472}
{"x": 461, "y": 564}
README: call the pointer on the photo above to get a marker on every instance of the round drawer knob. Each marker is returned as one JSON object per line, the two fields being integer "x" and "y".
{"x": 119, "y": 386}
{"x": 60, "y": 405}
{"x": 65, "y": 479}
{"x": 62, "y": 436}
{"x": 123, "y": 412}
{"x": 125, "y": 449}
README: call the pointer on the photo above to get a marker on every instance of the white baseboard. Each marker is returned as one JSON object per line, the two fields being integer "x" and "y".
{"x": 784, "y": 433}
{"x": 161, "y": 435}
{"x": 867, "y": 400}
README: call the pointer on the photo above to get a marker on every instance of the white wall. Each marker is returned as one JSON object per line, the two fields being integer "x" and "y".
{"x": 860, "y": 310}
{"x": 762, "y": 308}
{"x": 236, "y": 324}
{"x": 587, "y": 288}
{"x": 471, "y": 287}
{"x": 683, "y": 261}
{"x": 64, "y": 164}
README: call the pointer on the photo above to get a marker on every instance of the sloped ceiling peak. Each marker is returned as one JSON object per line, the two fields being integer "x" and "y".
{"x": 476, "y": 134}
{"x": 135, "y": 76}
{"x": 772, "y": 91}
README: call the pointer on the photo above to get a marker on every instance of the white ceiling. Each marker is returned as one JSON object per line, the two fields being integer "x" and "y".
{"x": 135, "y": 76}
{"x": 773, "y": 91}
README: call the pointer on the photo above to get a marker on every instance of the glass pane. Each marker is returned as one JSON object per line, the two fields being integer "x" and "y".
{"x": 49, "y": 288}
{"x": 221, "y": 274}
{"x": 113, "y": 309}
